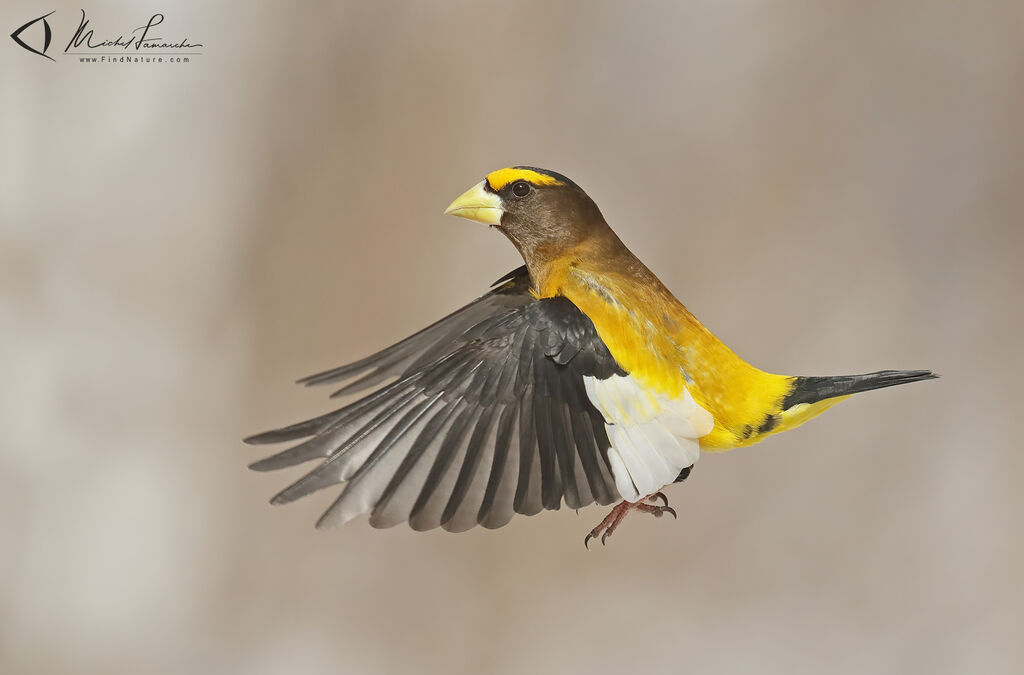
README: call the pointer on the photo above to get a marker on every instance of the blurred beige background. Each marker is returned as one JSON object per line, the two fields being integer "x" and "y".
{"x": 832, "y": 187}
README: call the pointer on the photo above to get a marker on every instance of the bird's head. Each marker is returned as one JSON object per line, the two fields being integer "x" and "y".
{"x": 542, "y": 212}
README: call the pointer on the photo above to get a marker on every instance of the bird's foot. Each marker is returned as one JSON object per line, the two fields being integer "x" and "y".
{"x": 607, "y": 526}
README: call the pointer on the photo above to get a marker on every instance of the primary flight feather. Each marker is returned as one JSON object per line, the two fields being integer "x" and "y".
{"x": 579, "y": 378}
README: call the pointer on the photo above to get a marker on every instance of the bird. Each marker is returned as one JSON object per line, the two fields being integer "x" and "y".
{"x": 577, "y": 379}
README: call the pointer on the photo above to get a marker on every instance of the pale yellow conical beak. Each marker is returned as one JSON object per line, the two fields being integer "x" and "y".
{"x": 477, "y": 204}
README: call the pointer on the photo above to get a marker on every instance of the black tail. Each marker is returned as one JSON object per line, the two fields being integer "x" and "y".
{"x": 814, "y": 389}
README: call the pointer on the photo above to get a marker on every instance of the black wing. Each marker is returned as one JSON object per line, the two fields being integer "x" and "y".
{"x": 488, "y": 417}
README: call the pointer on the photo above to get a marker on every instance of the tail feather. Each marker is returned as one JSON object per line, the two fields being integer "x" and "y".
{"x": 814, "y": 389}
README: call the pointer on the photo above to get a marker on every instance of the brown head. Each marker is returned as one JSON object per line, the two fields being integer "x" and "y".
{"x": 543, "y": 213}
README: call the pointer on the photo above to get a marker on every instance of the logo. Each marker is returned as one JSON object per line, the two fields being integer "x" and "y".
{"x": 47, "y": 35}
{"x": 142, "y": 44}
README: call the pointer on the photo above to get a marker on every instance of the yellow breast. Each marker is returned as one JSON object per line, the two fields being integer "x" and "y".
{"x": 661, "y": 344}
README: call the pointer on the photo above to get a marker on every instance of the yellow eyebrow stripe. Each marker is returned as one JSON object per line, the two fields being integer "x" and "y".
{"x": 502, "y": 177}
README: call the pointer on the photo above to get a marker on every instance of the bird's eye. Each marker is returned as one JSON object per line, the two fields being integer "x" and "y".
{"x": 521, "y": 188}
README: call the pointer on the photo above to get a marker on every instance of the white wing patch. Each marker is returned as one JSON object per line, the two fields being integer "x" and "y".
{"x": 652, "y": 436}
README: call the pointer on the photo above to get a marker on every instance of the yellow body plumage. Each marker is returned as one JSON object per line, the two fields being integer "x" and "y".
{"x": 661, "y": 344}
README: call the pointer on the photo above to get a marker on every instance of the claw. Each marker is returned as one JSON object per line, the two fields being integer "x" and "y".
{"x": 619, "y": 512}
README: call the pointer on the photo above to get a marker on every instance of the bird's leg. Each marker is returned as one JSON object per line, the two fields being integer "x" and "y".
{"x": 619, "y": 511}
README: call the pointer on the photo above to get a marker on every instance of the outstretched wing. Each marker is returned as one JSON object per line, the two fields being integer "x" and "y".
{"x": 489, "y": 416}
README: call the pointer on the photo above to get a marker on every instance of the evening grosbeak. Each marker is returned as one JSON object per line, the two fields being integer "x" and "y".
{"x": 579, "y": 378}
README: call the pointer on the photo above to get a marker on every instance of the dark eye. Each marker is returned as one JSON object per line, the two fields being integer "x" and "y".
{"x": 521, "y": 188}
